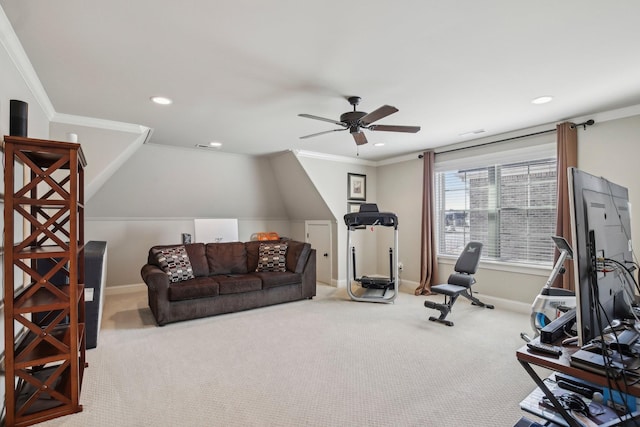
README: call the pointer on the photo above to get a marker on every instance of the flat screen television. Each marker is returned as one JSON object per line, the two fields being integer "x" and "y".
{"x": 603, "y": 253}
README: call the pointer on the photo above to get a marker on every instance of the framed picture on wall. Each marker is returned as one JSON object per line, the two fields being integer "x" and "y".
{"x": 353, "y": 207}
{"x": 356, "y": 186}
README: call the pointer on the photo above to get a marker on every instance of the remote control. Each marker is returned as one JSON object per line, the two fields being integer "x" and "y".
{"x": 551, "y": 350}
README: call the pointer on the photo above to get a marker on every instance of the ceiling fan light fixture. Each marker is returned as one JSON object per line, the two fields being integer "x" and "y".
{"x": 542, "y": 100}
{"x": 161, "y": 100}
{"x": 357, "y": 121}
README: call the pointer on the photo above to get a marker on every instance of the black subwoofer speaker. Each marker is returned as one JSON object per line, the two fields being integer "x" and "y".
{"x": 18, "y": 115}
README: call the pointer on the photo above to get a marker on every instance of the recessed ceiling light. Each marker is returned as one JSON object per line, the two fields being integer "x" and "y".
{"x": 212, "y": 144}
{"x": 471, "y": 133}
{"x": 542, "y": 100}
{"x": 378, "y": 144}
{"x": 161, "y": 100}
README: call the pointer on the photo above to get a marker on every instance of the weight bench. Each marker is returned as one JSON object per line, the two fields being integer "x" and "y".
{"x": 458, "y": 284}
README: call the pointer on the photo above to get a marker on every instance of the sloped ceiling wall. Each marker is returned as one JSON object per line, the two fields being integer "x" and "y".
{"x": 105, "y": 150}
{"x": 300, "y": 196}
{"x": 167, "y": 182}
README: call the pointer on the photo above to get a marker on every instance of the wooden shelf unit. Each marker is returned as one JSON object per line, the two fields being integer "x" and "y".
{"x": 44, "y": 305}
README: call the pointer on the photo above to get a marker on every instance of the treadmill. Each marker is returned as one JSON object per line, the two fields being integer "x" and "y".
{"x": 372, "y": 288}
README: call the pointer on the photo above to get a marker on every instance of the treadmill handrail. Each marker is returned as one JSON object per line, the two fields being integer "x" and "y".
{"x": 358, "y": 219}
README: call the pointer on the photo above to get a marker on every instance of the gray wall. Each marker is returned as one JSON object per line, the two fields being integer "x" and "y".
{"x": 166, "y": 182}
{"x": 106, "y": 150}
{"x": 330, "y": 180}
{"x": 311, "y": 188}
{"x": 154, "y": 196}
{"x": 610, "y": 148}
{"x": 13, "y": 86}
{"x": 400, "y": 191}
{"x": 157, "y": 193}
{"x": 301, "y": 198}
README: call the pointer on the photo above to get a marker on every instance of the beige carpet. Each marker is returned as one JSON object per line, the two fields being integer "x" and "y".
{"x": 322, "y": 362}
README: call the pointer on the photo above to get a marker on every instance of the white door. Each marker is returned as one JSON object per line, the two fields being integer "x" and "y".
{"x": 319, "y": 235}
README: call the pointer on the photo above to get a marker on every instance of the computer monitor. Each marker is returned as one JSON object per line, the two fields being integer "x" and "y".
{"x": 603, "y": 254}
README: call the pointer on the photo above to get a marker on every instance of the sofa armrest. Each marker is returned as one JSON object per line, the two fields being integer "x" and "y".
{"x": 155, "y": 278}
{"x": 157, "y": 282}
{"x": 309, "y": 276}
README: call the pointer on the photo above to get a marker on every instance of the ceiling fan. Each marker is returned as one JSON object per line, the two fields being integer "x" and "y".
{"x": 355, "y": 121}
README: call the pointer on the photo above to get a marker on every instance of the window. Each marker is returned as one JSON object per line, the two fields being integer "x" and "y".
{"x": 508, "y": 205}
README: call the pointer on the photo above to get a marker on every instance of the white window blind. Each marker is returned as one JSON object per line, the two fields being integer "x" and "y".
{"x": 504, "y": 197}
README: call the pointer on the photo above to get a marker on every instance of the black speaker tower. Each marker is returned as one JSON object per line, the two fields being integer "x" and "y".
{"x": 19, "y": 111}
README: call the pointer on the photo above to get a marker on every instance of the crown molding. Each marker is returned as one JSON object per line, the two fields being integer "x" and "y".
{"x": 401, "y": 159}
{"x": 14, "y": 49}
{"x": 333, "y": 158}
{"x": 107, "y": 172}
{"x": 12, "y": 45}
{"x": 605, "y": 116}
{"x": 98, "y": 123}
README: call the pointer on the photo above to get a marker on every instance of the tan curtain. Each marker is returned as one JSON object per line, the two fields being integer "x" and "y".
{"x": 428, "y": 261}
{"x": 567, "y": 152}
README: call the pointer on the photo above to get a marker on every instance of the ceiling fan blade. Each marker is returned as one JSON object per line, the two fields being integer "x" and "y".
{"x": 392, "y": 128}
{"x": 378, "y": 114}
{"x": 310, "y": 116}
{"x": 359, "y": 138}
{"x": 321, "y": 133}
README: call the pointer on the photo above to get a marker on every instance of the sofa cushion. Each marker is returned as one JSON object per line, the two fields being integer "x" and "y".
{"x": 279, "y": 278}
{"x": 272, "y": 257}
{"x": 238, "y": 283}
{"x": 196, "y": 254}
{"x": 252, "y": 249}
{"x": 226, "y": 258}
{"x": 198, "y": 259}
{"x": 175, "y": 262}
{"x": 199, "y": 287}
{"x": 297, "y": 256}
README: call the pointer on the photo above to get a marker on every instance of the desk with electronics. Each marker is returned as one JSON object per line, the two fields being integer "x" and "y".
{"x": 585, "y": 385}
{"x": 593, "y": 345}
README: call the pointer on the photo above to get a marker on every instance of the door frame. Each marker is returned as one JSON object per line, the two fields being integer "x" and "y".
{"x": 328, "y": 223}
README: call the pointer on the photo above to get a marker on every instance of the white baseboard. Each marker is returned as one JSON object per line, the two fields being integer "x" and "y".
{"x": 506, "y": 304}
{"x": 124, "y": 289}
{"x": 409, "y": 287}
{"x": 502, "y": 303}
{"x": 406, "y": 286}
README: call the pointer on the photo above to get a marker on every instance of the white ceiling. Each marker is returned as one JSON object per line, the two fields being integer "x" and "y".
{"x": 239, "y": 71}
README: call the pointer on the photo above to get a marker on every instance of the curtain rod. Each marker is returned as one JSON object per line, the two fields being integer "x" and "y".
{"x": 589, "y": 122}
{"x": 496, "y": 142}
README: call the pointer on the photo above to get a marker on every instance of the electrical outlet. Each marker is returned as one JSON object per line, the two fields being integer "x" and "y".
{"x": 400, "y": 266}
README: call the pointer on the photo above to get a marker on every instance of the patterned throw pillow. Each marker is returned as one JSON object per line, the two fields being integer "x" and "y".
{"x": 272, "y": 257}
{"x": 175, "y": 262}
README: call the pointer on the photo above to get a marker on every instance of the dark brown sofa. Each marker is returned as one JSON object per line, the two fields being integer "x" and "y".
{"x": 216, "y": 278}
